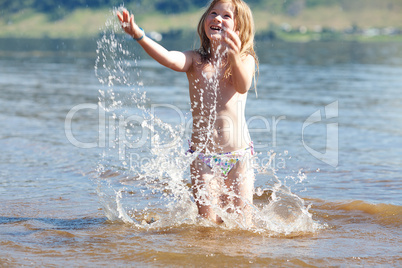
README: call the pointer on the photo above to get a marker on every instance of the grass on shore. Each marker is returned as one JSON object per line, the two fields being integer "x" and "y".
{"x": 88, "y": 22}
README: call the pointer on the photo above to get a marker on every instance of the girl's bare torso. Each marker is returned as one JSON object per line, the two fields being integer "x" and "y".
{"x": 219, "y": 123}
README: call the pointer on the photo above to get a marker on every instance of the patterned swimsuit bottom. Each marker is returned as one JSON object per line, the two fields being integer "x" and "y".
{"x": 224, "y": 161}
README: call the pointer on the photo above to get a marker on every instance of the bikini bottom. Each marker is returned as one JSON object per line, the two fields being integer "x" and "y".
{"x": 224, "y": 161}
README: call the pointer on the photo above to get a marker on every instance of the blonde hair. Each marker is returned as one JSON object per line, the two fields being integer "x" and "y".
{"x": 244, "y": 23}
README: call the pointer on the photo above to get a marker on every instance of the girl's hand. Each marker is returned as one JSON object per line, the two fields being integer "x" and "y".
{"x": 233, "y": 43}
{"x": 128, "y": 24}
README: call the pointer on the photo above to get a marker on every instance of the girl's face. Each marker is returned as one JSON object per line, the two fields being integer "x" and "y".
{"x": 219, "y": 19}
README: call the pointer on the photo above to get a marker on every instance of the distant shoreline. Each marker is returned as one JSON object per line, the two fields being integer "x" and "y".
{"x": 260, "y": 37}
{"x": 311, "y": 25}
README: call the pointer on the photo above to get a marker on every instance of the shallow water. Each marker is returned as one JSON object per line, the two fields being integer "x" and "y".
{"x": 51, "y": 213}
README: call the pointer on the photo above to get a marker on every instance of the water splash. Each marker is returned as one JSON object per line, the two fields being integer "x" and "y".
{"x": 143, "y": 171}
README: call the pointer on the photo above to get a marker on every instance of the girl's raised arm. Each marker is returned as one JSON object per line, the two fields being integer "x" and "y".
{"x": 175, "y": 60}
{"x": 242, "y": 67}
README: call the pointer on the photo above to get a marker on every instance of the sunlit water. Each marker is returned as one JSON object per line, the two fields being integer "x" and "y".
{"x": 114, "y": 204}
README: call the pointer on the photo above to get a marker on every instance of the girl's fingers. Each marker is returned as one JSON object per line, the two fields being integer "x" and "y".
{"x": 232, "y": 41}
{"x": 132, "y": 21}
{"x": 229, "y": 43}
{"x": 126, "y": 20}
{"x": 234, "y": 37}
{"x": 119, "y": 16}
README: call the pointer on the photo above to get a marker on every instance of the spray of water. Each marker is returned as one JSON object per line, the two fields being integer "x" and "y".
{"x": 156, "y": 193}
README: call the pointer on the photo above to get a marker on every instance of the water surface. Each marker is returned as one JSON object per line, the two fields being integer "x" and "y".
{"x": 50, "y": 212}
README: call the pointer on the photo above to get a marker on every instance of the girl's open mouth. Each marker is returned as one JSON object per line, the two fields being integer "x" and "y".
{"x": 216, "y": 28}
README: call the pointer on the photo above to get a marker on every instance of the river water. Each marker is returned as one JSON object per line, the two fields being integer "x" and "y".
{"x": 82, "y": 183}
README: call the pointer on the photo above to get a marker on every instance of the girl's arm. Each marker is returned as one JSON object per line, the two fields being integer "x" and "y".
{"x": 175, "y": 60}
{"x": 243, "y": 68}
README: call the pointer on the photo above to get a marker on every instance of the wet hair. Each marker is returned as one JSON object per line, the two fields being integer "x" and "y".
{"x": 244, "y": 23}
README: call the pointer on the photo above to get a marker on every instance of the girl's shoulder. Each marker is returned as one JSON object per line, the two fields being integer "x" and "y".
{"x": 195, "y": 57}
{"x": 194, "y": 54}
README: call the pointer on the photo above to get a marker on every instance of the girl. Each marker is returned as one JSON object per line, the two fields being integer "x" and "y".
{"x": 220, "y": 73}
